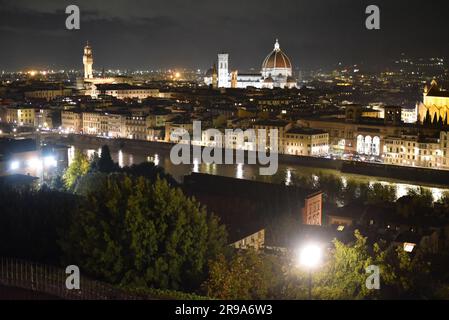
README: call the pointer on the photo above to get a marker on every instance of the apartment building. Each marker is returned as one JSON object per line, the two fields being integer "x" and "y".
{"x": 103, "y": 124}
{"x": 306, "y": 142}
{"x": 22, "y": 116}
{"x": 71, "y": 121}
{"x": 264, "y": 128}
{"x": 124, "y": 91}
{"x": 413, "y": 150}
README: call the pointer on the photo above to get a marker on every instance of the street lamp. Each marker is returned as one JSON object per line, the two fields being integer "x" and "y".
{"x": 309, "y": 256}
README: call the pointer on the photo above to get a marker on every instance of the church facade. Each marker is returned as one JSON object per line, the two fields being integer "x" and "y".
{"x": 435, "y": 103}
{"x": 276, "y": 72}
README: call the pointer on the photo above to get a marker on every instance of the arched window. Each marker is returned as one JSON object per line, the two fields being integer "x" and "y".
{"x": 376, "y": 146}
{"x": 360, "y": 144}
{"x": 368, "y": 142}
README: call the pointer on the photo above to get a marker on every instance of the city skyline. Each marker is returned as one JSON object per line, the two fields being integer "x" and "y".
{"x": 259, "y": 151}
{"x": 148, "y": 35}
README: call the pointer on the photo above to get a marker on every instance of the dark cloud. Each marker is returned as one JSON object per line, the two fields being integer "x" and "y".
{"x": 173, "y": 33}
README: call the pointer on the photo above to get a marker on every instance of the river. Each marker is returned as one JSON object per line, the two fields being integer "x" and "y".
{"x": 284, "y": 175}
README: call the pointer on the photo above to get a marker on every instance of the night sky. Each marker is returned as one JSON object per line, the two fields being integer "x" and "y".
{"x": 137, "y": 34}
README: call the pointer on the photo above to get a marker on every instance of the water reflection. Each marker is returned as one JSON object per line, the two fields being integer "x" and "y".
{"x": 195, "y": 165}
{"x": 344, "y": 182}
{"x": 71, "y": 155}
{"x": 243, "y": 171}
{"x": 288, "y": 177}
{"x": 120, "y": 159}
{"x": 90, "y": 153}
{"x": 239, "y": 173}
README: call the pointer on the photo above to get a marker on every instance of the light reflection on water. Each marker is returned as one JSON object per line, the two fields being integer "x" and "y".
{"x": 288, "y": 177}
{"x": 251, "y": 172}
{"x": 239, "y": 174}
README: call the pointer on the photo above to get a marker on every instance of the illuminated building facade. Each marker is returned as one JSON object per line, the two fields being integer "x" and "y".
{"x": 276, "y": 72}
{"x": 435, "y": 103}
{"x": 22, "y": 116}
{"x": 412, "y": 150}
{"x": 124, "y": 91}
{"x": 306, "y": 142}
{"x": 71, "y": 121}
{"x": 312, "y": 211}
{"x": 356, "y": 134}
{"x": 48, "y": 93}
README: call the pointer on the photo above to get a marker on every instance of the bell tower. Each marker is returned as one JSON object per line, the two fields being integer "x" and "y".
{"x": 223, "y": 70}
{"x": 88, "y": 61}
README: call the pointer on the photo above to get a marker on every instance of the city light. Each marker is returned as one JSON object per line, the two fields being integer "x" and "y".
{"x": 34, "y": 163}
{"x": 309, "y": 255}
{"x": 15, "y": 165}
{"x": 408, "y": 247}
{"x": 50, "y": 161}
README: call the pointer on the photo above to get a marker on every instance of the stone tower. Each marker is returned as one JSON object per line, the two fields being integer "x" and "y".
{"x": 234, "y": 76}
{"x": 223, "y": 70}
{"x": 214, "y": 77}
{"x": 88, "y": 61}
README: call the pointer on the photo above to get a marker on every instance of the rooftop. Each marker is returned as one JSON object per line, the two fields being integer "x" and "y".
{"x": 305, "y": 131}
{"x": 271, "y": 123}
{"x": 122, "y": 86}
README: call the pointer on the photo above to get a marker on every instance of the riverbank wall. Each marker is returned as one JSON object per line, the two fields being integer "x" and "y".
{"x": 426, "y": 176}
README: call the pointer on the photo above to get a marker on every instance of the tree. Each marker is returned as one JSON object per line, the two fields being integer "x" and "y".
{"x": 428, "y": 119}
{"x": 78, "y": 168}
{"x": 132, "y": 231}
{"x": 435, "y": 120}
{"x": 415, "y": 203}
{"x": 105, "y": 163}
{"x": 150, "y": 171}
{"x": 343, "y": 274}
{"x": 378, "y": 193}
{"x": 332, "y": 187}
{"x": 350, "y": 192}
{"x": 246, "y": 275}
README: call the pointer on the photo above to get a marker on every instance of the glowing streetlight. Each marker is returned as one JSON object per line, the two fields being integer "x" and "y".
{"x": 15, "y": 165}
{"x": 309, "y": 256}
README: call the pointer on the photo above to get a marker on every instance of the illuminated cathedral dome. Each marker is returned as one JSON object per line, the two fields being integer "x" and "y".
{"x": 276, "y": 59}
{"x": 276, "y": 73}
{"x": 276, "y": 63}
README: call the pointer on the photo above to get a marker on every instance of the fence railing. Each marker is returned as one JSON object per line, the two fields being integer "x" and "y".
{"x": 52, "y": 281}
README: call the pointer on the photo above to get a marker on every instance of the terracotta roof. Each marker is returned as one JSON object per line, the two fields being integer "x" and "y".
{"x": 276, "y": 59}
